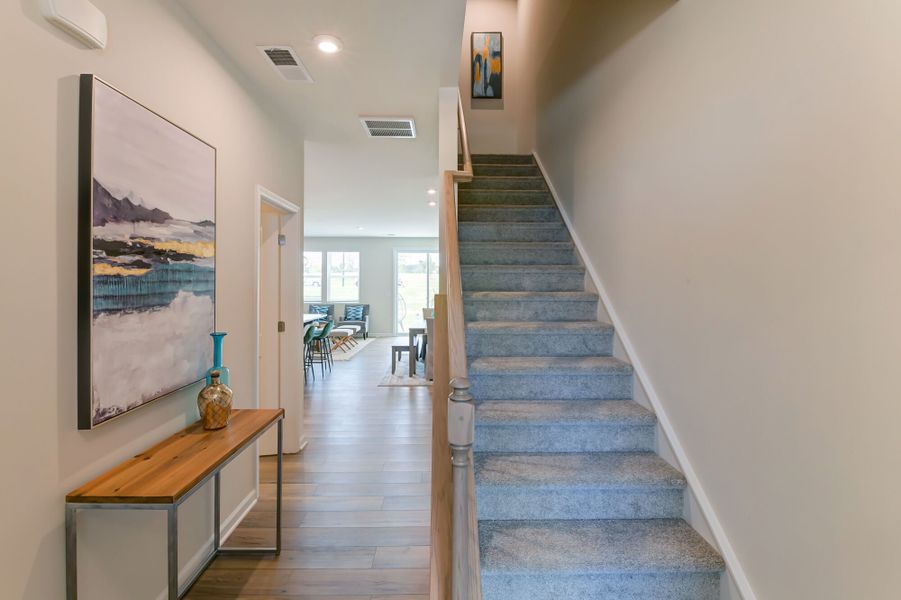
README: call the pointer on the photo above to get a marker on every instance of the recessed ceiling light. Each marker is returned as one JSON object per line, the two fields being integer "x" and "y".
{"x": 432, "y": 203}
{"x": 328, "y": 44}
{"x": 360, "y": 228}
{"x": 392, "y": 234}
{"x": 431, "y": 191}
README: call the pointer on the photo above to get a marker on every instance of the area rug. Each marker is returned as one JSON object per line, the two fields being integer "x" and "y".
{"x": 339, "y": 354}
{"x": 401, "y": 379}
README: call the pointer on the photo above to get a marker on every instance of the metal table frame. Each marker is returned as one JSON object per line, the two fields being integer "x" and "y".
{"x": 176, "y": 592}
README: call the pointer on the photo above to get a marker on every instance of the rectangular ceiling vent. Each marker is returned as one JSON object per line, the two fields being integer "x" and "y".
{"x": 389, "y": 127}
{"x": 285, "y": 60}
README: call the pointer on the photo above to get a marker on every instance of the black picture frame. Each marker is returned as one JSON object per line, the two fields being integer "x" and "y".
{"x": 472, "y": 76}
{"x": 85, "y": 250}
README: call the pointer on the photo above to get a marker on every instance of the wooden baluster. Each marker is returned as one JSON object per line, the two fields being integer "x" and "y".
{"x": 460, "y": 436}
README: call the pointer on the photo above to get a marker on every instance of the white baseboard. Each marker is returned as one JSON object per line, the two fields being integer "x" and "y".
{"x": 230, "y": 523}
{"x": 734, "y": 568}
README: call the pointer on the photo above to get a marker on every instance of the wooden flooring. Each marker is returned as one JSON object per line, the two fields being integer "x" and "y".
{"x": 356, "y": 501}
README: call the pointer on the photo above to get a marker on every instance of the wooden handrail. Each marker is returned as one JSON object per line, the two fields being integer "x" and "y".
{"x": 464, "y": 141}
{"x": 455, "y": 569}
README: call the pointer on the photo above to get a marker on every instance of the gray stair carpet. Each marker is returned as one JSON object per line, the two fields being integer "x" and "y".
{"x": 573, "y": 503}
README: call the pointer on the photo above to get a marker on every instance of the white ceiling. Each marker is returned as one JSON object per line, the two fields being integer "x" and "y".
{"x": 396, "y": 55}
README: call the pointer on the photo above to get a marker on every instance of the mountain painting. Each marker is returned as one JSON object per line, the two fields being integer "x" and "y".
{"x": 147, "y": 260}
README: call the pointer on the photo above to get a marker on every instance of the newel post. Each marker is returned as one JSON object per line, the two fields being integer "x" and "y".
{"x": 460, "y": 435}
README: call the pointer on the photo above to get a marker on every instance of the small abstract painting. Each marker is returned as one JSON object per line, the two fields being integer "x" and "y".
{"x": 147, "y": 252}
{"x": 487, "y": 65}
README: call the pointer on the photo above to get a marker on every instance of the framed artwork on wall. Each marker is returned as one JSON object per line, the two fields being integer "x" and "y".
{"x": 487, "y": 65}
{"x": 146, "y": 255}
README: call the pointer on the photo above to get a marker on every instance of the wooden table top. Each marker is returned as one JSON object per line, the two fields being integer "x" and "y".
{"x": 169, "y": 470}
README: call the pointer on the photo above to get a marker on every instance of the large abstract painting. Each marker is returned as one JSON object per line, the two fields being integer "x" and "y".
{"x": 487, "y": 65}
{"x": 147, "y": 251}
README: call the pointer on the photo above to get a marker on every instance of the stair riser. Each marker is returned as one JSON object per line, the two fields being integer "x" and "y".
{"x": 502, "y": 159}
{"x": 510, "y": 503}
{"x": 506, "y": 232}
{"x": 506, "y": 170}
{"x": 519, "y": 214}
{"x": 504, "y": 183}
{"x": 536, "y": 310}
{"x": 564, "y": 438}
{"x": 498, "y": 255}
{"x": 504, "y": 343}
{"x": 613, "y": 586}
{"x": 524, "y": 198}
{"x": 551, "y": 386}
{"x": 477, "y": 280}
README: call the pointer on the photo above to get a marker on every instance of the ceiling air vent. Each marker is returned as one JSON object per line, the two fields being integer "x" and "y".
{"x": 389, "y": 127}
{"x": 285, "y": 60}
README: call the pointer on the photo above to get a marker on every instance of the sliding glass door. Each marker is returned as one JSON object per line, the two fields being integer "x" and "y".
{"x": 416, "y": 283}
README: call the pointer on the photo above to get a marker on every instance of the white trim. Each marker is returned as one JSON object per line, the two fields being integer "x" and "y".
{"x": 228, "y": 527}
{"x": 276, "y": 201}
{"x": 242, "y": 510}
{"x": 709, "y": 514}
{"x": 289, "y": 211}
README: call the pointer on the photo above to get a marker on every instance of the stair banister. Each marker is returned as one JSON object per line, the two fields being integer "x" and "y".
{"x": 460, "y": 435}
{"x": 455, "y": 571}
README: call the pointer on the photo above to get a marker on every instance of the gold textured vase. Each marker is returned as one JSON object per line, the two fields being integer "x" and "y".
{"x": 215, "y": 403}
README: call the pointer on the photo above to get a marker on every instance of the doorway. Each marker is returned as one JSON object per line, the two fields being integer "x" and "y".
{"x": 415, "y": 286}
{"x": 278, "y": 316}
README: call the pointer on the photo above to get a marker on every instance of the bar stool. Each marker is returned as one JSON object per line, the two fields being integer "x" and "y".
{"x": 323, "y": 354}
{"x": 308, "y": 352}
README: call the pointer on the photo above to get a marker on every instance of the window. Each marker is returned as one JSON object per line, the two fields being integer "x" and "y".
{"x": 417, "y": 284}
{"x": 344, "y": 276}
{"x": 312, "y": 276}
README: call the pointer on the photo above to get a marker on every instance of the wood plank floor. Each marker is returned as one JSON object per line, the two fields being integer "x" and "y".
{"x": 356, "y": 501}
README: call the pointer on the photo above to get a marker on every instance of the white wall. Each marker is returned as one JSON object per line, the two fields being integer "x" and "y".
{"x": 493, "y": 124}
{"x": 157, "y": 56}
{"x": 376, "y": 272}
{"x": 732, "y": 168}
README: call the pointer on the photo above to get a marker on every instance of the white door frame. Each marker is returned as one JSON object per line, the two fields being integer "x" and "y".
{"x": 290, "y": 356}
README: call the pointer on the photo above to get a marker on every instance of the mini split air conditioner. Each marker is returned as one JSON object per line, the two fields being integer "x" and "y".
{"x": 79, "y": 18}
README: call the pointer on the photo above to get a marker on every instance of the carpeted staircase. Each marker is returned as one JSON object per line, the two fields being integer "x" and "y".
{"x": 573, "y": 502}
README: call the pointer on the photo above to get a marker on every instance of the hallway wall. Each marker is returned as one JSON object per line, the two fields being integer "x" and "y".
{"x": 732, "y": 169}
{"x": 158, "y": 56}
{"x": 493, "y": 125}
{"x": 376, "y": 272}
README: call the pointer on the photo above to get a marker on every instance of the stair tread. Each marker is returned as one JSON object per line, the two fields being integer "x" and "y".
{"x": 503, "y": 191}
{"x": 595, "y": 547}
{"x": 526, "y": 268}
{"x": 530, "y": 296}
{"x": 535, "y": 224}
{"x": 476, "y": 177}
{"x": 524, "y": 245}
{"x": 581, "y": 470}
{"x": 511, "y": 206}
{"x": 528, "y": 365}
{"x": 539, "y": 327}
{"x": 562, "y": 412}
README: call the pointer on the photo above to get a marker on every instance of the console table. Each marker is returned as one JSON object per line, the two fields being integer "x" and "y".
{"x": 168, "y": 474}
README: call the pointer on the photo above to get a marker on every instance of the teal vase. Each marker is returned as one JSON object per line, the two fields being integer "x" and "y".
{"x": 217, "y": 360}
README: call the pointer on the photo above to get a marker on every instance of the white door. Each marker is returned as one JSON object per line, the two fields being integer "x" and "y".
{"x": 270, "y": 315}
